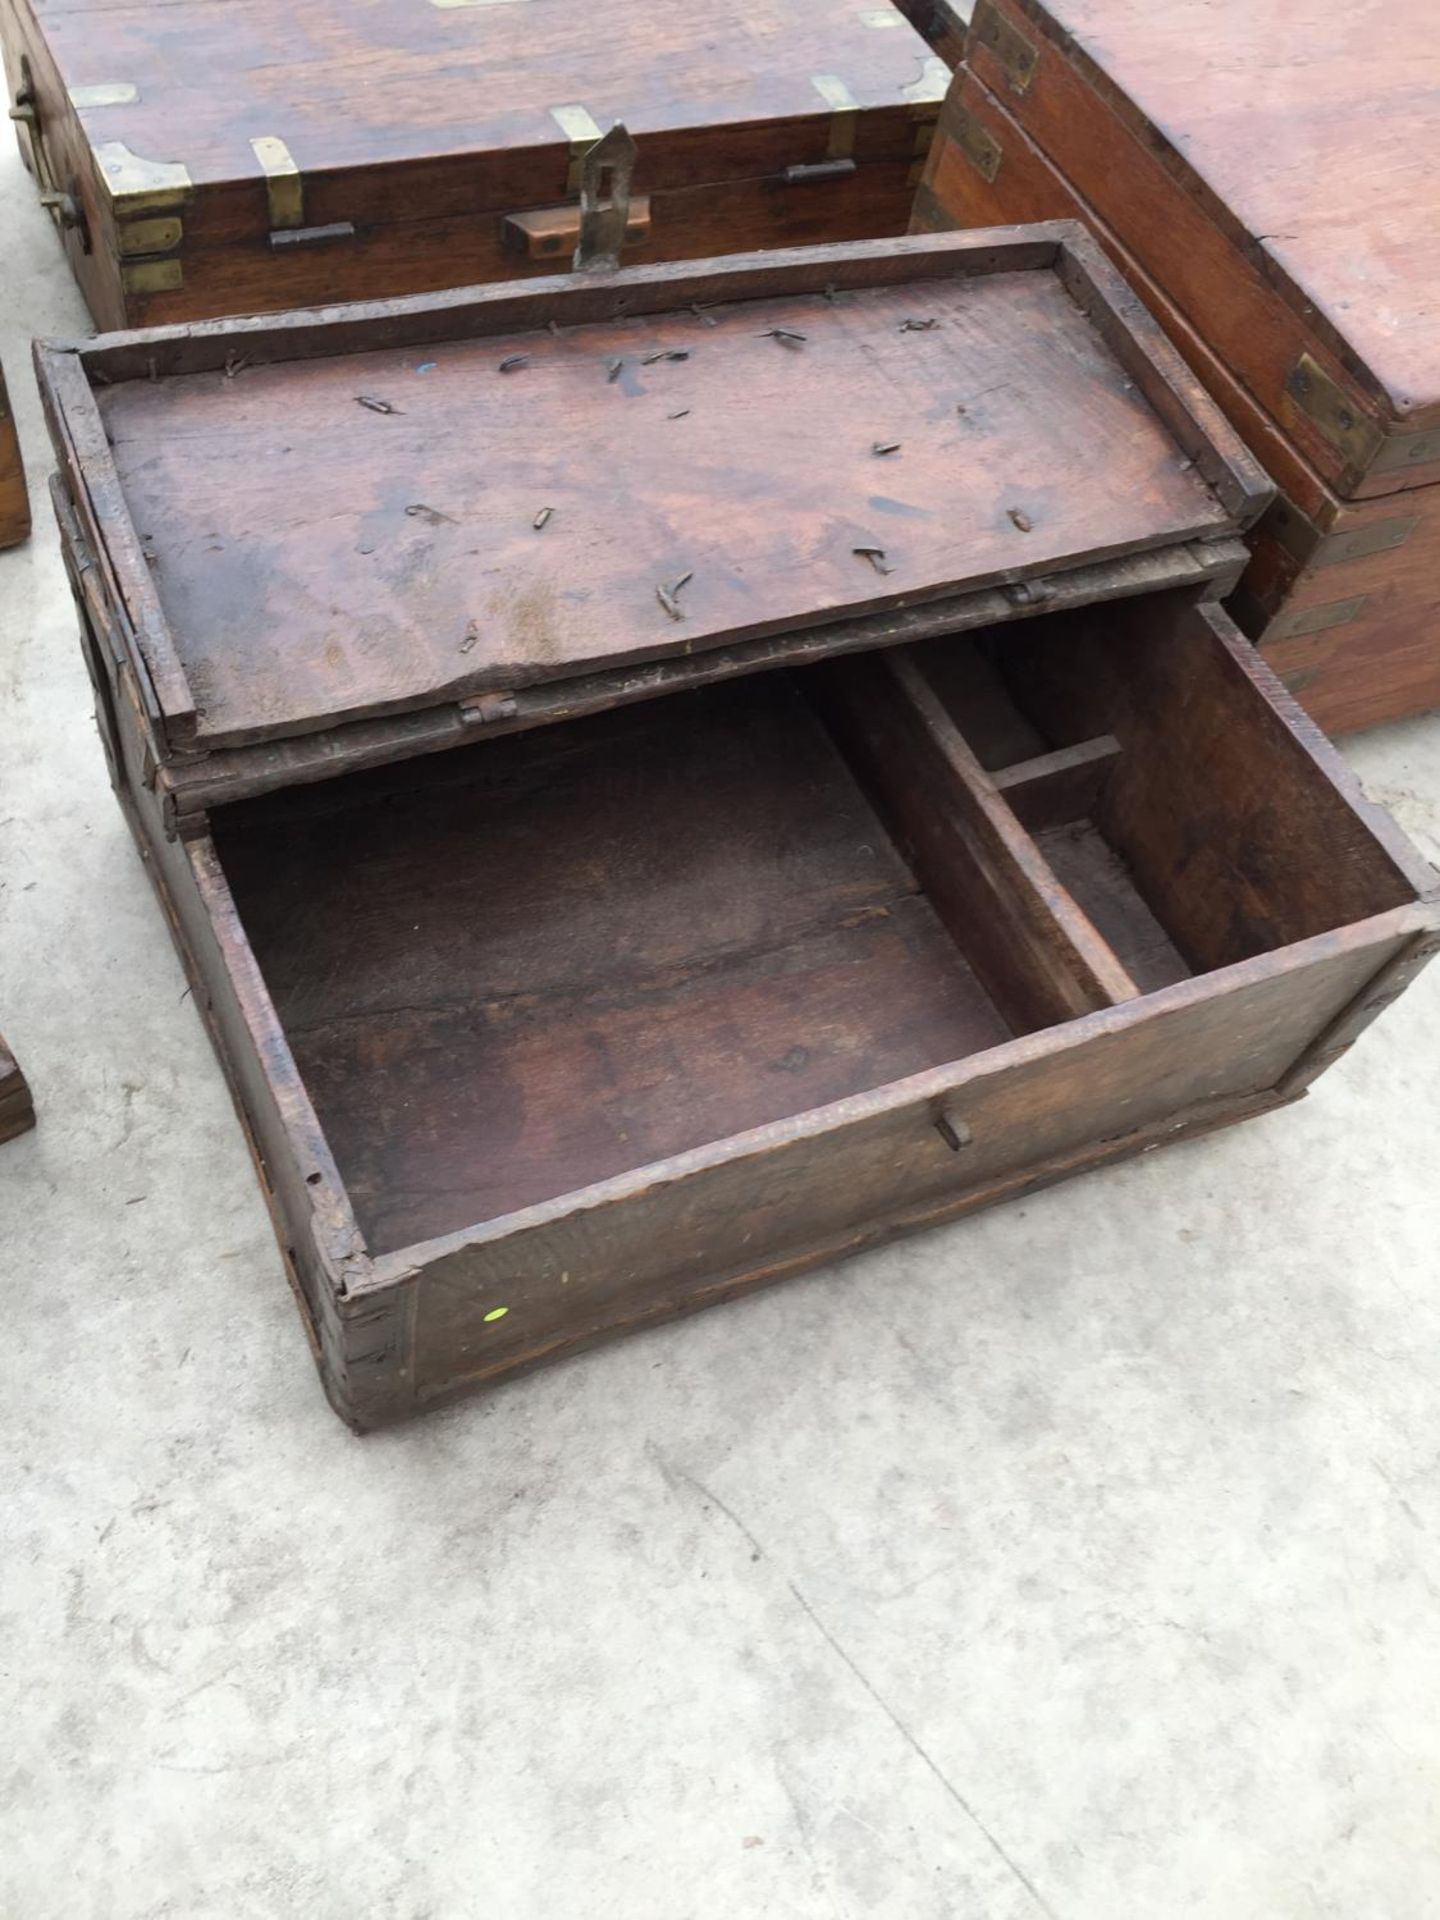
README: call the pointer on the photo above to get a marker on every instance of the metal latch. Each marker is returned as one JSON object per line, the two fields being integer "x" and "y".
{"x": 820, "y": 171}
{"x": 605, "y": 180}
{"x": 64, "y": 208}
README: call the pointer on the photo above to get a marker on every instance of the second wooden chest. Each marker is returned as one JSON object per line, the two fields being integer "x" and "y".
{"x": 1264, "y": 175}
{"x": 218, "y": 157}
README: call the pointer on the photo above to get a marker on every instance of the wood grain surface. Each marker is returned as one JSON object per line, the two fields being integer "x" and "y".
{"x": 1302, "y": 131}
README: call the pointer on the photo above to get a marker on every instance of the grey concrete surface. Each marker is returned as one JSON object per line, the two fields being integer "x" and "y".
{"x": 1082, "y": 1560}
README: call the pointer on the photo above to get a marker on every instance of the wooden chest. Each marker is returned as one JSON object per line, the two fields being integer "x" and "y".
{"x": 1265, "y": 176}
{"x": 14, "y": 495}
{"x": 17, "y": 1111}
{"x": 659, "y": 782}
{"x": 243, "y": 156}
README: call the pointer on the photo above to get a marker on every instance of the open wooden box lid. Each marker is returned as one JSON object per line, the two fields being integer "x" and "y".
{"x": 342, "y": 534}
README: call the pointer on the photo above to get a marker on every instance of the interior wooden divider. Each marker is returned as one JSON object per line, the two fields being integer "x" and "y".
{"x": 1037, "y": 955}
{"x": 1055, "y": 788}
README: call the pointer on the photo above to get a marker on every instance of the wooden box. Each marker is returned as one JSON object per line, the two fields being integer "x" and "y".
{"x": 17, "y": 1111}
{"x": 660, "y": 782}
{"x": 240, "y": 156}
{"x": 14, "y": 495}
{"x": 1265, "y": 177}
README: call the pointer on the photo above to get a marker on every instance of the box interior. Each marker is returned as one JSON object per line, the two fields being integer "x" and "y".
{"x": 518, "y": 968}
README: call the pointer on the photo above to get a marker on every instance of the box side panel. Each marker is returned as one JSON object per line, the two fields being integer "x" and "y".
{"x": 359, "y": 1351}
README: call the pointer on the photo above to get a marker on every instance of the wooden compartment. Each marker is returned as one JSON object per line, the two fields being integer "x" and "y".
{"x": 583, "y": 1027}
{"x": 233, "y": 156}
{"x": 844, "y": 808}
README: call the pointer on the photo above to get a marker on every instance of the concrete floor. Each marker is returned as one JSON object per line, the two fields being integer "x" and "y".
{"x": 1081, "y": 1560}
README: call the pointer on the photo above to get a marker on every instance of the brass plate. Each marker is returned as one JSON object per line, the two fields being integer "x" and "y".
{"x": 1335, "y": 613}
{"x": 1011, "y": 51}
{"x": 138, "y": 185}
{"x": 284, "y": 187}
{"x": 932, "y": 86}
{"x": 1382, "y": 537}
{"x": 152, "y": 276}
{"x": 582, "y": 130}
{"x": 113, "y": 93}
{"x": 979, "y": 147}
{"x": 149, "y": 236}
{"x": 843, "y": 109}
{"x": 1402, "y": 451}
{"x": 1323, "y": 402}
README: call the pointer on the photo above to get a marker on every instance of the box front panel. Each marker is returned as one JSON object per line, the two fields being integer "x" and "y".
{"x": 692, "y": 1237}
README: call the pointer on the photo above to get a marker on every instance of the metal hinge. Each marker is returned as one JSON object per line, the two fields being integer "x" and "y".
{"x": 1311, "y": 391}
{"x": 483, "y": 709}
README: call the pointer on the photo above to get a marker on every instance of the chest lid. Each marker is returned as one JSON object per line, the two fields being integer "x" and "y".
{"x": 311, "y": 521}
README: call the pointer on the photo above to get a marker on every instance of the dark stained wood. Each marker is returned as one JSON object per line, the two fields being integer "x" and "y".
{"x": 417, "y": 128}
{"x": 1343, "y": 596}
{"x": 14, "y": 494}
{"x": 413, "y": 573}
{"x": 17, "y": 1110}
{"x": 186, "y": 788}
{"x": 1271, "y": 168}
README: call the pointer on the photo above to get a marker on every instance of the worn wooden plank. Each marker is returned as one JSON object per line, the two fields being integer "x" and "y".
{"x": 190, "y": 787}
{"x": 317, "y": 560}
{"x": 1043, "y": 1106}
{"x": 1235, "y": 842}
